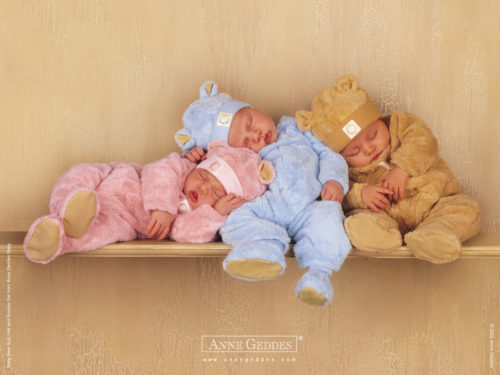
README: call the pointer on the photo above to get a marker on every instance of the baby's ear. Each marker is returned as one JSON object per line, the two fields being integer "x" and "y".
{"x": 267, "y": 173}
{"x": 209, "y": 88}
{"x": 303, "y": 119}
{"x": 347, "y": 83}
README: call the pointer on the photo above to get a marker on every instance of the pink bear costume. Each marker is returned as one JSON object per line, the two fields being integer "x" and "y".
{"x": 93, "y": 205}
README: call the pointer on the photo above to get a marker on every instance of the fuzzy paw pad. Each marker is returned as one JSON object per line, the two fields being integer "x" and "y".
{"x": 312, "y": 297}
{"x": 44, "y": 241}
{"x": 79, "y": 213}
{"x": 434, "y": 243}
{"x": 253, "y": 268}
{"x": 372, "y": 233}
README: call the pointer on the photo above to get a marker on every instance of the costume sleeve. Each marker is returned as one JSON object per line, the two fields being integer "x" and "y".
{"x": 162, "y": 182}
{"x": 417, "y": 148}
{"x": 353, "y": 199}
{"x": 332, "y": 166}
{"x": 197, "y": 226}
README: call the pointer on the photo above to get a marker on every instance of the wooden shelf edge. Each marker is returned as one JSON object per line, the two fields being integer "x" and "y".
{"x": 484, "y": 245}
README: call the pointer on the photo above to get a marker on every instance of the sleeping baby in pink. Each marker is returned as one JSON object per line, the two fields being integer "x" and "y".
{"x": 93, "y": 205}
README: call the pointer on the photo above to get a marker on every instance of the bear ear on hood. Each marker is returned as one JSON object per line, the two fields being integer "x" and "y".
{"x": 209, "y": 88}
{"x": 347, "y": 83}
{"x": 267, "y": 173}
{"x": 183, "y": 139}
{"x": 303, "y": 119}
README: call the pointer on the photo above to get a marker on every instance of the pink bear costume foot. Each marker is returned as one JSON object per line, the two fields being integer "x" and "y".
{"x": 78, "y": 213}
{"x": 45, "y": 238}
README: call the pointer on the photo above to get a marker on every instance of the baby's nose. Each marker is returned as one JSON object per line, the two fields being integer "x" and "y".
{"x": 204, "y": 188}
{"x": 256, "y": 135}
{"x": 369, "y": 147}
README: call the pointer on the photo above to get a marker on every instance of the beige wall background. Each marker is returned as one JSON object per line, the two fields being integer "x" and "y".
{"x": 102, "y": 80}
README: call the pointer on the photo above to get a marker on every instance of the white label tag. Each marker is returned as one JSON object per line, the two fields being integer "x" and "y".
{"x": 351, "y": 129}
{"x": 224, "y": 119}
{"x": 215, "y": 166}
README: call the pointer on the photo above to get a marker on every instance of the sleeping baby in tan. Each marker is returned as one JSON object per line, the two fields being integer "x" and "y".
{"x": 398, "y": 183}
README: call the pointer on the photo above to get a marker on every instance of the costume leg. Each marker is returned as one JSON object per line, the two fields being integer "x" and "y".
{"x": 46, "y": 239}
{"x": 321, "y": 246}
{"x": 73, "y": 197}
{"x": 116, "y": 193}
{"x": 371, "y": 231}
{"x": 451, "y": 221}
{"x": 259, "y": 246}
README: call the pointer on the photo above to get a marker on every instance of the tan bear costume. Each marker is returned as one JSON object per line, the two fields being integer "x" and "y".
{"x": 434, "y": 215}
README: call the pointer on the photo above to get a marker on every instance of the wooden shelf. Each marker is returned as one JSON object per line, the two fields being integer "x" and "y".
{"x": 484, "y": 245}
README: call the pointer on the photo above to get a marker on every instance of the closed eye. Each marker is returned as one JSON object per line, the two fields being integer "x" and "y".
{"x": 373, "y": 135}
{"x": 354, "y": 152}
{"x": 218, "y": 193}
{"x": 250, "y": 122}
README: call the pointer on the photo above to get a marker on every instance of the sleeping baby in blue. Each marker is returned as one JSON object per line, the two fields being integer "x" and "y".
{"x": 302, "y": 204}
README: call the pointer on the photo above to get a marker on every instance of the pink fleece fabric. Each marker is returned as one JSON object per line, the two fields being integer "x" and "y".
{"x": 126, "y": 194}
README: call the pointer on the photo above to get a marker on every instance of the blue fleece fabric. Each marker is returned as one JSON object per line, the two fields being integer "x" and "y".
{"x": 209, "y": 118}
{"x": 290, "y": 209}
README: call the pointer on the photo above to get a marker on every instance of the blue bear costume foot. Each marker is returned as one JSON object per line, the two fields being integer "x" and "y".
{"x": 253, "y": 263}
{"x": 315, "y": 288}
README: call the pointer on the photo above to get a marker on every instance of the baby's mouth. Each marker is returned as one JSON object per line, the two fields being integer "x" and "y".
{"x": 376, "y": 156}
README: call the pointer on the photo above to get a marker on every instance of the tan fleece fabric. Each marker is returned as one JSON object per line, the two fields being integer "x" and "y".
{"x": 339, "y": 113}
{"x": 371, "y": 231}
{"x": 432, "y": 192}
{"x": 435, "y": 243}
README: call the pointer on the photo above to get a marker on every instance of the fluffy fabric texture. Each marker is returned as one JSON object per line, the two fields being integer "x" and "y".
{"x": 207, "y": 119}
{"x": 52, "y": 242}
{"x": 430, "y": 187}
{"x": 317, "y": 280}
{"x": 126, "y": 193}
{"x": 333, "y": 107}
{"x": 289, "y": 208}
{"x": 246, "y": 164}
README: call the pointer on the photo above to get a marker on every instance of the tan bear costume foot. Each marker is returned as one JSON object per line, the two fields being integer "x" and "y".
{"x": 434, "y": 243}
{"x": 370, "y": 231}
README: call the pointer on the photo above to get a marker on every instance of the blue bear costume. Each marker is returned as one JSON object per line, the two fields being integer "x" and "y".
{"x": 260, "y": 231}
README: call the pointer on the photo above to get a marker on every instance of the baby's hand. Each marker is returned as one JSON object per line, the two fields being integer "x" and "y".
{"x": 159, "y": 224}
{"x": 228, "y": 203}
{"x": 196, "y": 154}
{"x": 375, "y": 198}
{"x": 395, "y": 181}
{"x": 332, "y": 191}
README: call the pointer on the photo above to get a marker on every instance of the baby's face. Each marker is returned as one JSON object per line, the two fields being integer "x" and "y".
{"x": 202, "y": 187}
{"x": 252, "y": 129}
{"x": 368, "y": 145}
